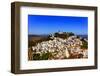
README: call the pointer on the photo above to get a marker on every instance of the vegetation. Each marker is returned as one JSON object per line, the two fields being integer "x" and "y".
{"x": 85, "y": 44}
{"x": 64, "y": 35}
{"x": 43, "y": 56}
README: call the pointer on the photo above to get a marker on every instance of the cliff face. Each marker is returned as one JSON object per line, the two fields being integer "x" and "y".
{"x": 59, "y": 48}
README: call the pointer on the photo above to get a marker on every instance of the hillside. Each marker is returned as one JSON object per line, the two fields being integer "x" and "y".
{"x": 58, "y": 46}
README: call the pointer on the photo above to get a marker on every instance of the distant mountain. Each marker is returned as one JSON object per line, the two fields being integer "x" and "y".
{"x": 42, "y": 35}
{"x": 83, "y": 36}
{"x": 46, "y": 35}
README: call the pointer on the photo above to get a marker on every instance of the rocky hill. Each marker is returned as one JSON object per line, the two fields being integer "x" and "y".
{"x": 60, "y": 46}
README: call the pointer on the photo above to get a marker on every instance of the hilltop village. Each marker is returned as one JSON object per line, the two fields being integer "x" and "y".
{"x": 59, "y": 45}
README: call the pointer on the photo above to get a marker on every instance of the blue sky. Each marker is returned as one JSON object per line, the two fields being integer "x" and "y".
{"x": 45, "y": 24}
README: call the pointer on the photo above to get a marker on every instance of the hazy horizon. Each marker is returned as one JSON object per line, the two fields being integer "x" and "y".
{"x": 50, "y": 33}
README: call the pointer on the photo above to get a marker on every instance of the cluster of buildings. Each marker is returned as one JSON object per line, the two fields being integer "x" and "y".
{"x": 61, "y": 48}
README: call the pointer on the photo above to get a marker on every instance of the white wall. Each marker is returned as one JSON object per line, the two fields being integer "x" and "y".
{"x": 5, "y": 42}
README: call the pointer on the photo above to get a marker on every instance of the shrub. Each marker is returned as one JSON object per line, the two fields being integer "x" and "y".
{"x": 46, "y": 56}
{"x": 43, "y": 56}
{"x": 36, "y": 56}
{"x": 85, "y": 44}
